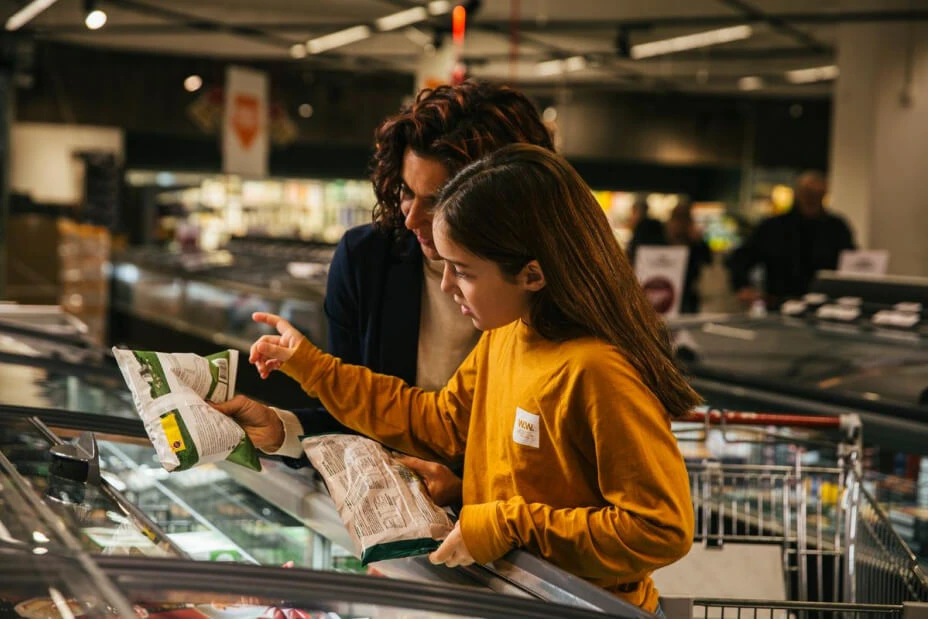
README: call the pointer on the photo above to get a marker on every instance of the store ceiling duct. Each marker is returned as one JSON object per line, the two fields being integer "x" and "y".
{"x": 812, "y": 74}
{"x": 338, "y": 39}
{"x": 26, "y": 14}
{"x": 691, "y": 41}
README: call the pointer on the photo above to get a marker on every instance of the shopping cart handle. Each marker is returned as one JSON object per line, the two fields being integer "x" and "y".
{"x": 740, "y": 418}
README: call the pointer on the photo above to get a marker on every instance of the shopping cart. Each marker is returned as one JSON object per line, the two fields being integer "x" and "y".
{"x": 840, "y": 554}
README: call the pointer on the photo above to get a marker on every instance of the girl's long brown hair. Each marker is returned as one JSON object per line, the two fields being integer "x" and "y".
{"x": 523, "y": 203}
{"x": 454, "y": 125}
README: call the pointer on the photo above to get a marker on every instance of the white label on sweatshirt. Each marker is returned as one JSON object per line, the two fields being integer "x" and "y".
{"x": 526, "y": 430}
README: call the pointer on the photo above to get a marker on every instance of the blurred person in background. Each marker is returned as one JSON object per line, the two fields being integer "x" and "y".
{"x": 384, "y": 305}
{"x": 682, "y": 230}
{"x": 645, "y": 230}
{"x": 791, "y": 247}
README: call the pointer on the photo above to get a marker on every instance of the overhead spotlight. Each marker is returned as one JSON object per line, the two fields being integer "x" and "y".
{"x": 298, "y": 50}
{"x": 193, "y": 83}
{"x": 95, "y": 16}
{"x": 305, "y": 110}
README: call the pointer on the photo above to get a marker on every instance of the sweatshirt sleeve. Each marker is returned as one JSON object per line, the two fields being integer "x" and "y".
{"x": 428, "y": 424}
{"x": 646, "y": 519}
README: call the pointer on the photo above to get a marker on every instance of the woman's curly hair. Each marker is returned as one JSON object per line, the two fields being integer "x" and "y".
{"x": 454, "y": 125}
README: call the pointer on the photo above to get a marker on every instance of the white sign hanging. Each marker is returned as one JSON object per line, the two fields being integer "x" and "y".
{"x": 661, "y": 271}
{"x": 864, "y": 261}
{"x": 245, "y": 145}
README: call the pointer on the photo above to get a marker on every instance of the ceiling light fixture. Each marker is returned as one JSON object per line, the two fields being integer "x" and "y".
{"x": 338, "y": 39}
{"x": 417, "y": 36}
{"x": 193, "y": 83}
{"x": 813, "y": 74}
{"x": 439, "y": 7}
{"x": 556, "y": 67}
{"x": 751, "y": 82}
{"x": 305, "y": 110}
{"x": 95, "y": 16}
{"x": 26, "y": 14}
{"x": 691, "y": 41}
{"x": 401, "y": 19}
{"x": 298, "y": 50}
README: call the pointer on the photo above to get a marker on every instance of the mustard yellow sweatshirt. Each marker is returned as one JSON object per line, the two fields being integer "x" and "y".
{"x": 569, "y": 455}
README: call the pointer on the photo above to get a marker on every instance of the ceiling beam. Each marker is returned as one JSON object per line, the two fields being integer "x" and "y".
{"x": 531, "y": 25}
{"x": 778, "y": 24}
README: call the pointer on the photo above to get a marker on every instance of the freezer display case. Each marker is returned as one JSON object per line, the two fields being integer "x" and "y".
{"x": 212, "y": 295}
{"x": 107, "y": 500}
{"x": 203, "y": 302}
{"x": 787, "y": 364}
{"x": 97, "y": 476}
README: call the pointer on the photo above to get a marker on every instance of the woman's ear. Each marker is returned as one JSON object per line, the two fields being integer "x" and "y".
{"x": 532, "y": 277}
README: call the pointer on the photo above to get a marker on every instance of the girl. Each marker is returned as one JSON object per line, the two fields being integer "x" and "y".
{"x": 565, "y": 403}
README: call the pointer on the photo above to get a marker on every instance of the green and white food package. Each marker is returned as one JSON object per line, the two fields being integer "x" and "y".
{"x": 171, "y": 392}
{"x": 384, "y": 505}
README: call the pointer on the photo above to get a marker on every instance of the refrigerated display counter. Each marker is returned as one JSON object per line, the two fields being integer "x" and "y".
{"x": 113, "y": 498}
{"x": 203, "y": 302}
{"x": 70, "y": 549}
{"x": 783, "y": 364}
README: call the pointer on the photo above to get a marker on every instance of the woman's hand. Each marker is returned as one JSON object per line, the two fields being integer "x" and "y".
{"x": 270, "y": 352}
{"x": 442, "y": 484}
{"x": 453, "y": 551}
{"x": 260, "y": 422}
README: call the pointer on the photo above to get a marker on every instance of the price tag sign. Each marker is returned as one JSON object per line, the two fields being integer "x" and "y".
{"x": 661, "y": 271}
{"x": 864, "y": 262}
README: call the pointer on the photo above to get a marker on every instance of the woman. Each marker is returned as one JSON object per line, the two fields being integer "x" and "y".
{"x": 564, "y": 406}
{"x": 384, "y": 306}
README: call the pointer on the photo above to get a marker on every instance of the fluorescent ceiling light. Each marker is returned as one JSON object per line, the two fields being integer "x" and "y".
{"x": 691, "y": 41}
{"x": 338, "y": 39}
{"x": 24, "y": 15}
{"x": 555, "y": 67}
{"x": 751, "y": 82}
{"x": 417, "y": 36}
{"x": 813, "y": 74}
{"x": 403, "y": 18}
{"x": 439, "y": 7}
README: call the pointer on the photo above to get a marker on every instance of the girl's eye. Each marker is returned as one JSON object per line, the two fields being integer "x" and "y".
{"x": 405, "y": 193}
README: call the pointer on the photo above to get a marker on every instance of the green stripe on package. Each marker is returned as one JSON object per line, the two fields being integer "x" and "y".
{"x": 172, "y": 392}
{"x": 383, "y": 504}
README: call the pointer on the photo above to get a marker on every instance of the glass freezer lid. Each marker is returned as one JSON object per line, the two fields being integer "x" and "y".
{"x": 206, "y": 512}
{"x": 101, "y": 393}
{"x": 832, "y": 358}
{"x": 92, "y": 513}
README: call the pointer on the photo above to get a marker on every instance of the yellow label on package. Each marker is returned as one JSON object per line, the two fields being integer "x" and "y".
{"x": 172, "y": 432}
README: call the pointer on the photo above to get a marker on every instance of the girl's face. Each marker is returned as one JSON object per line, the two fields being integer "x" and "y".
{"x": 422, "y": 179}
{"x": 488, "y": 297}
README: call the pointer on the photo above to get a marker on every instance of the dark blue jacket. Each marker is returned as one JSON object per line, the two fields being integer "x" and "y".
{"x": 372, "y": 305}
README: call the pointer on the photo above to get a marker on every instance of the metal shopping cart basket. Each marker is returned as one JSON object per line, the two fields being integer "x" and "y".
{"x": 840, "y": 554}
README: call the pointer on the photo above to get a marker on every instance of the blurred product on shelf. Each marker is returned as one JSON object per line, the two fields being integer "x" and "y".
{"x": 84, "y": 253}
{"x": 203, "y": 211}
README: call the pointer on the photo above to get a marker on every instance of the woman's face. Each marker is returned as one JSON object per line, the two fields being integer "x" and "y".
{"x": 486, "y": 296}
{"x": 422, "y": 180}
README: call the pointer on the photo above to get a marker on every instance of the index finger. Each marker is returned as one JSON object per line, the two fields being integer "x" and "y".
{"x": 441, "y": 554}
{"x": 272, "y": 320}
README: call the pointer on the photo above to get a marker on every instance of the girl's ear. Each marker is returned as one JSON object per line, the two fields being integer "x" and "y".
{"x": 532, "y": 277}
